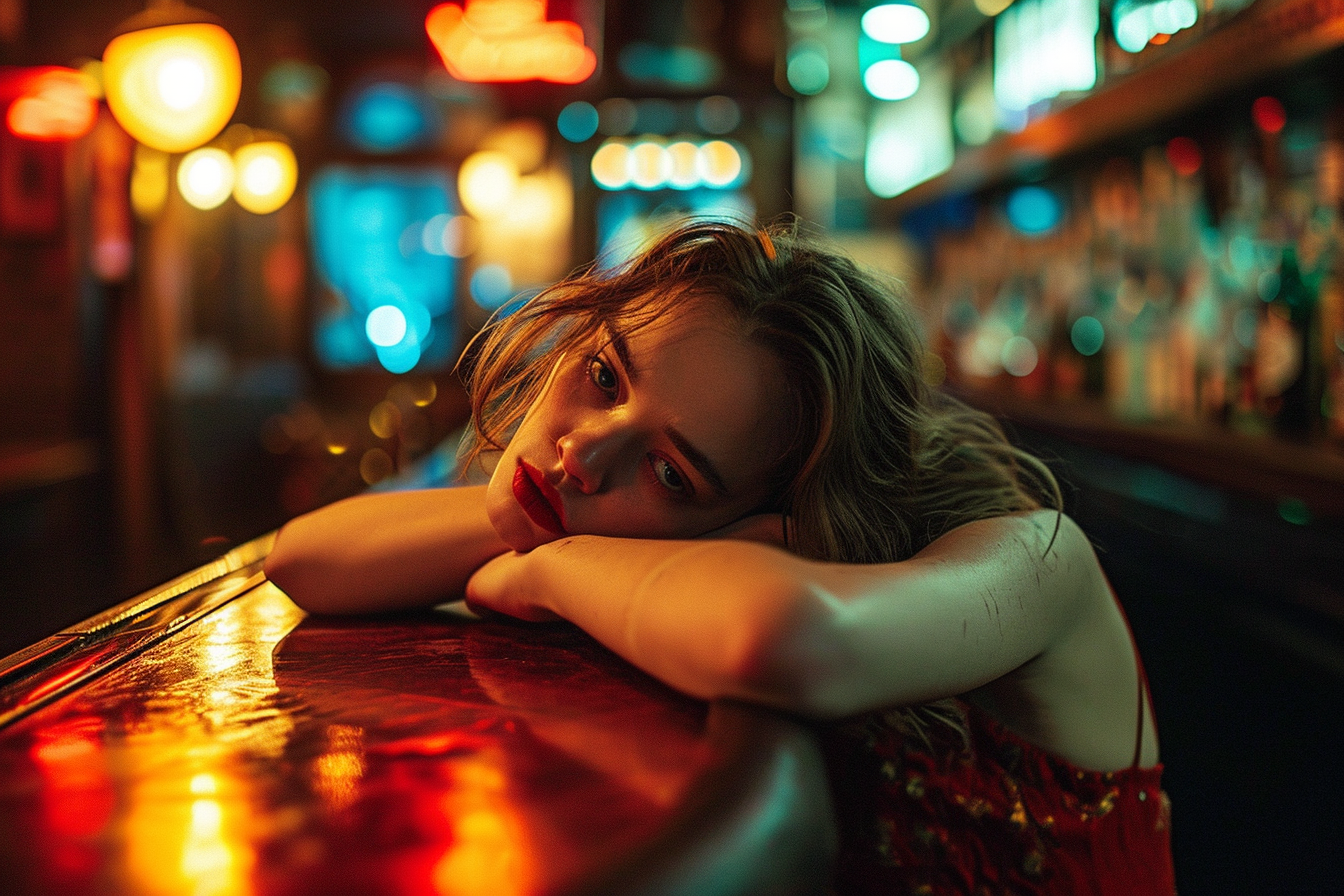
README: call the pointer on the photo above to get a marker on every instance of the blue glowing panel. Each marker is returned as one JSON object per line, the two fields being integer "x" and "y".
{"x": 628, "y": 220}
{"x": 373, "y": 233}
{"x": 388, "y": 117}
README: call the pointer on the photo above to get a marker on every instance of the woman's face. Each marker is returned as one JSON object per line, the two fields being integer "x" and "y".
{"x": 665, "y": 431}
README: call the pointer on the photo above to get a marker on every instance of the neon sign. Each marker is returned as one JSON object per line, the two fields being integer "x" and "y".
{"x": 508, "y": 40}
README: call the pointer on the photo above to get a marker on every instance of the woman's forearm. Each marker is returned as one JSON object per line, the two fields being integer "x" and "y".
{"x": 712, "y": 618}
{"x": 751, "y": 621}
{"x": 384, "y": 551}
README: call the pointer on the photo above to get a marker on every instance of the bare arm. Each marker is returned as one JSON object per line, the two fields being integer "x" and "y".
{"x": 740, "y": 619}
{"x": 384, "y": 551}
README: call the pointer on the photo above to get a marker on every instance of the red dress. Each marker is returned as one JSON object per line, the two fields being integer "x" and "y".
{"x": 995, "y": 815}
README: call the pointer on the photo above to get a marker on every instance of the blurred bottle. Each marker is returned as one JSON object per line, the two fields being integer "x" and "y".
{"x": 1287, "y": 349}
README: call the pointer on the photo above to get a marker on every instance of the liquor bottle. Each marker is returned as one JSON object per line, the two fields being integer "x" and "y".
{"x": 1288, "y": 349}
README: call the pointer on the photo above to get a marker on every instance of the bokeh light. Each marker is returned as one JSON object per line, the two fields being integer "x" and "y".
{"x": 650, "y": 165}
{"x": 610, "y": 166}
{"x": 808, "y": 67}
{"x": 53, "y": 104}
{"x": 149, "y": 182}
{"x": 578, "y": 121}
{"x": 389, "y": 116}
{"x": 1268, "y": 114}
{"x": 267, "y": 173}
{"x": 205, "y": 177}
{"x": 1034, "y": 210}
{"x": 173, "y": 87}
{"x": 720, "y": 164}
{"x": 616, "y": 116}
{"x": 1136, "y": 22}
{"x": 385, "y": 325}
{"x": 1019, "y": 356}
{"x": 1087, "y": 335}
{"x": 491, "y": 286}
{"x": 1184, "y": 155}
{"x": 508, "y": 41}
{"x": 486, "y": 183}
{"x": 895, "y": 23}
{"x": 891, "y": 79}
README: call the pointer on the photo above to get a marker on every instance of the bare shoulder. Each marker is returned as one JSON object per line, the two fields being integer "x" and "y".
{"x": 1078, "y": 696}
{"x": 1041, "y": 554}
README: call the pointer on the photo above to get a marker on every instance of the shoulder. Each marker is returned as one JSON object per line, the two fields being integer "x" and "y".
{"x": 1040, "y": 551}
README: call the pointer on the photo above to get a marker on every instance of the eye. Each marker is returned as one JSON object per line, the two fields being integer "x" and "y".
{"x": 667, "y": 475}
{"x": 603, "y": 377}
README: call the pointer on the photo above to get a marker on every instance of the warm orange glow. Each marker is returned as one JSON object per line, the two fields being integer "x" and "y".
{"x": 53, "y": 104}
{"x": 611, "y": 165}
{"x": 205, "y": 177}
{"x": 266, "y": 176}
{"x": 489, "y": 852}
{"x": 720, "y": 163}
{"x": 173, "y": 87}
{"x": 508, "y": 40}
{"x": 486, "y": 183}
{"x": 149, "y": 182}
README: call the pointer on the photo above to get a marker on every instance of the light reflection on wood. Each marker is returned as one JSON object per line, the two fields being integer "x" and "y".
{"x": 259, "y": 752}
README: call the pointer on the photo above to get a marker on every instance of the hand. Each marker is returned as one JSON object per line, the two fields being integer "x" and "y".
{"x": 765, "y": 528}
{"x": 502, "y": 585}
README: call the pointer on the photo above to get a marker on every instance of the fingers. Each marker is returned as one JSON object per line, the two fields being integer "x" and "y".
{"x": 501, "y": 586}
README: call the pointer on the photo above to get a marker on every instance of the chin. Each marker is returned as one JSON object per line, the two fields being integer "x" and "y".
{"x": 511, "y": 524}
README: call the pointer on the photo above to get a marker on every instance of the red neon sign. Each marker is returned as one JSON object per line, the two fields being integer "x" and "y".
{"x": 508, "y": 40}
{"x": 49, "y": 103}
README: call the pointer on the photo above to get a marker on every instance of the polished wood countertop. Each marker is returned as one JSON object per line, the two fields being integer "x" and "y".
{"x": 210, "y": 737}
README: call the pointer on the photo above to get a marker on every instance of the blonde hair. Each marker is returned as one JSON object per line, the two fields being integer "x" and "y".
{"x": 880, "y": 465}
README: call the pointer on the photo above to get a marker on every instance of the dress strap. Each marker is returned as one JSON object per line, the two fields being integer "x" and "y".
{"x": 1142, "y": 676}
{"x": 1143, "y": 693}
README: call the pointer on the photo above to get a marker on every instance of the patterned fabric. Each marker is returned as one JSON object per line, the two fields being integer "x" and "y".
{"x": 937, "y": 815}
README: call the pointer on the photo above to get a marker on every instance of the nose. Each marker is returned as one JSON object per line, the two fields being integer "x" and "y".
{"x": 589, "y": 453}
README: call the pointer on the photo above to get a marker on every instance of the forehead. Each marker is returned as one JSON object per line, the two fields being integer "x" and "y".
{"x": 695, "y": 368}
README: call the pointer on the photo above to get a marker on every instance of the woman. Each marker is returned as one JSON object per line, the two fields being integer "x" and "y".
{"x": 722, "y": 461}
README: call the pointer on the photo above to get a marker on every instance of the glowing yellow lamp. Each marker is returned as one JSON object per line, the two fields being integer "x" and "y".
{"x": 266, "y": 174}
{"x": 206, "y": 177}
{"x": 172, "y": 77}
{"x": 486, "y": 183}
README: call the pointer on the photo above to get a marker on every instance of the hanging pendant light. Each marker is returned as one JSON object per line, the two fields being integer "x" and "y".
{"x": 172, "y": 76}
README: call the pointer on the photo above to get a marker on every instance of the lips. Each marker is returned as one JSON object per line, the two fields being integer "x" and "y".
{"x": 538, "y": 498}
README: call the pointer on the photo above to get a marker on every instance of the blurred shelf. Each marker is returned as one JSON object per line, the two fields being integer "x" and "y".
{"x": 1266, "y": 37}
{"x": 1261, "y": 467}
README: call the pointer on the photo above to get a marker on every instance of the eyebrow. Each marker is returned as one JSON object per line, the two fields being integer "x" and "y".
{"x": 694, "y": 455}
{"x": 622, "y": 349}
{"x": 698, "y": 460}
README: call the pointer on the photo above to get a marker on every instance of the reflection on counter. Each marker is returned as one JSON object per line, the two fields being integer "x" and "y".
{"x": 259, "y": 751}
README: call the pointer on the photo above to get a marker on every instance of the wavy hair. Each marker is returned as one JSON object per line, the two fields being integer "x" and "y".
{"x": 880, "y": 465}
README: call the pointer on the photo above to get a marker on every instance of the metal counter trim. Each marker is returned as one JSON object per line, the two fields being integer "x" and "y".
{"x": 41, "y": 673}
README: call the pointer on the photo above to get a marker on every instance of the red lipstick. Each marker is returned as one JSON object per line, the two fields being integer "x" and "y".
{"x": 538, "y": 498}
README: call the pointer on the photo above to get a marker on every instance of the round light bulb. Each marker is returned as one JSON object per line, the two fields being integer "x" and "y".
{"x": 205, "y": 177}
{"x": 173, "y": 87}
{"x": 267, "y": 175}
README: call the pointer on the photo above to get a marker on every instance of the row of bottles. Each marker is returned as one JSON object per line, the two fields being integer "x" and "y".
{"x": 1198, "y": 281}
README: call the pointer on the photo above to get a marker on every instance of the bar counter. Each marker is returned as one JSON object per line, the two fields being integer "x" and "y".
{"x": 210, "y": 738}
